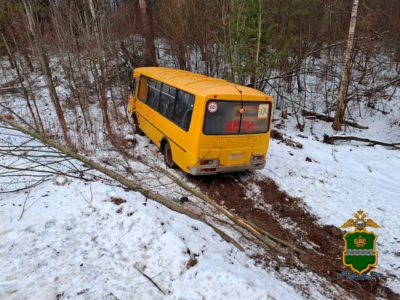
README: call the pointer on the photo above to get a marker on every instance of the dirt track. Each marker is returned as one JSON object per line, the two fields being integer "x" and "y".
{"x": 287, "y": 218}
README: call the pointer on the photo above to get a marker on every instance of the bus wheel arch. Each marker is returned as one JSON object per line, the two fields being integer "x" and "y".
{"x": 167, "y": 152}
{"x": 135, "y": 125}
{"x": 163, "y": 142}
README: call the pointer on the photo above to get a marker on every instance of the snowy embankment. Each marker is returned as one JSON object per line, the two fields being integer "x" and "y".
{"x": 92, "y": 240}
{"x": 335, "y": 181}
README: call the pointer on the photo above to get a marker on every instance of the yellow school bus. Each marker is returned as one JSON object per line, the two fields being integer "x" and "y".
{"x": 203, "y": 125}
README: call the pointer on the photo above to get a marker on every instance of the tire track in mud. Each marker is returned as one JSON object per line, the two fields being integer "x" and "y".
{"x": 258, "y": 199}
{"x": 286, "y": 217}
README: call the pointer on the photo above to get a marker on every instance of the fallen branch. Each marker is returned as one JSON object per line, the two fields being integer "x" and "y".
{"x": 331, "y": 140}
{"x": 321, "y": 117}
{"x": 277, "y": 135}
{"x": 263, "y": 238}
{"x": 151, "y": 280}
{"x": 23, "y": 206}
{"x": 130, "y": 185}
{"x": 266, "y": 239}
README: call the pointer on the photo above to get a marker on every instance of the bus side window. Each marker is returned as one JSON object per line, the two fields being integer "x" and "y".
{"x": 163, "y": 98}
{"x": 143, "y": 88}
{"x": 167, "y": 101}
{"x": 183, "y": 109}
{"x": 154, "y": 94}
{"x": 186, "y": 119}
{"x": 169, "y": 109}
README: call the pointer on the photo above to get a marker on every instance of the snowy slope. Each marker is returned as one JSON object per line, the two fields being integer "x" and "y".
{"x": 341, "y": 179}
{"x": 73, "y": 241}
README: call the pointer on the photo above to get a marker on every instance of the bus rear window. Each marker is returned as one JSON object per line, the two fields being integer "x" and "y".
{"x": 231, "y": 117}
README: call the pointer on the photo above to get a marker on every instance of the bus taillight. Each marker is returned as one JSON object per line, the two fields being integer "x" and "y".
{"x": 209, "y": 162}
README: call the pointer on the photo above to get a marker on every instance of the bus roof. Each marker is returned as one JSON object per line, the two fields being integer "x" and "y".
{"x": 196, "y": 83}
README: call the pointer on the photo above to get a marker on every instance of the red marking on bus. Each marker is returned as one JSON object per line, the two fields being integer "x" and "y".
{"x": 231, "y": 126}
{"x": 246, "y": 125}
{"x": 228, "y": 126}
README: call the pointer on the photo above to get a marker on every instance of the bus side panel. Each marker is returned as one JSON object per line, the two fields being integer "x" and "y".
{"x": 184, "y": 144}
{"x": 156, "y": 127}
{"x": 146, "y": 120}
{"x": 179, "y": 156}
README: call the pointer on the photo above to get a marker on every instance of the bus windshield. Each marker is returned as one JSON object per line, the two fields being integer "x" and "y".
{"x": 236, "y": 117}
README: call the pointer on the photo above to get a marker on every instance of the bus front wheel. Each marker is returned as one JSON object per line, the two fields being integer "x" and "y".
{"x": 168, "y": 156}
{"x": 135, "y": 125}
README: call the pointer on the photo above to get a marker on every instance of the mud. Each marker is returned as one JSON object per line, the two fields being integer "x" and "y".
{"x": 287, "y": 218}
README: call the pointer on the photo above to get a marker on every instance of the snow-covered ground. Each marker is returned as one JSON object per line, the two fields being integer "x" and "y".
{"x": 92, "y": 240}
{"x": 341, "y": 179}
{"x": 72, "y": 241}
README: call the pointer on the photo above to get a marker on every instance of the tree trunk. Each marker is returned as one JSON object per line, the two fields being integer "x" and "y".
{"x": 150, "y": 53}
{"x": 27, "y": 98}
{"x": 44, "y": 62}
{"x": 258, "y": 44}
{"x": 9, "y": 53}
{"x": 46, "y": 70}
{"x": 341, "y": 103}
{"x": 99, "y": 67}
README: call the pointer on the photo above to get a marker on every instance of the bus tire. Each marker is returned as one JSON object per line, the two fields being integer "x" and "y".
{"x": 168, "y": 156}
{"x": 135, "y": 125}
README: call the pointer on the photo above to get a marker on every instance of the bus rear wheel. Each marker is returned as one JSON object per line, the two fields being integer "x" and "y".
{"x": 168, "y": 156}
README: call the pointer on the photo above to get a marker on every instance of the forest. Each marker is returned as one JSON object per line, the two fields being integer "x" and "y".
{"x": 90, "y": 208}
{"x": 293, "y": 50}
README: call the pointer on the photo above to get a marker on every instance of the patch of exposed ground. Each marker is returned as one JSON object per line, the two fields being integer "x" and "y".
{"x": 287, "y": 218}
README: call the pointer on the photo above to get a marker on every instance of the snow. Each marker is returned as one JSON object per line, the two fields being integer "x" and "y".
{"x": 253, "y": 193}
{"x": 72, "y": 241}
{"x": 340, "y": 180}
{"x": 60, "y": 180}
{"x": 67, "y": 245}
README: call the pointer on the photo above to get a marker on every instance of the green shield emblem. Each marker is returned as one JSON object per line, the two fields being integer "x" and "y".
{"x": 360, "y": 250}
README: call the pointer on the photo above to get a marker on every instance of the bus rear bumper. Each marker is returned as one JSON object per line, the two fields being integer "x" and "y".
{"x": 205, "y": 170}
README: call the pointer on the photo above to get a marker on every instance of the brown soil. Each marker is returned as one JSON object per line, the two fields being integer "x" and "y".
{"x": 326, "y": 241}
{"x": 117, "y": 201}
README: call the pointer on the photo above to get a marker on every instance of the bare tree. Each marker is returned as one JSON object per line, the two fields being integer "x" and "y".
{"x": 258, "y": 42}
{"x": 45, "y": 66}
{"x": 145, "y": 12}
{"x": 341, "y": 103}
